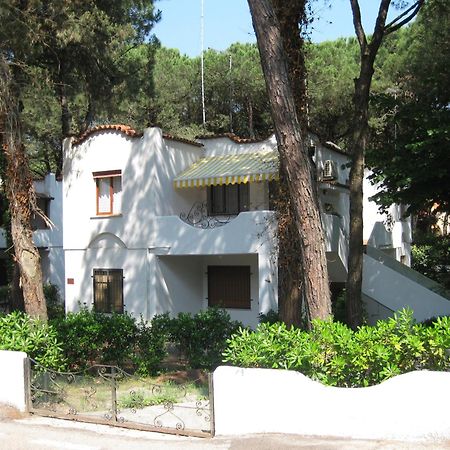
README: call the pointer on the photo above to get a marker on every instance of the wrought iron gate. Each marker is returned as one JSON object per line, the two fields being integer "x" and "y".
{"x": 108, "y": 395}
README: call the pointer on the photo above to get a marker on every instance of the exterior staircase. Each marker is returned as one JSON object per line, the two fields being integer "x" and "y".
{"x": 389, "y": 286}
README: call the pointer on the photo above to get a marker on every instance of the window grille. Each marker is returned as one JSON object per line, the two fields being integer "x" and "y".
{"x": 108, "y": 290}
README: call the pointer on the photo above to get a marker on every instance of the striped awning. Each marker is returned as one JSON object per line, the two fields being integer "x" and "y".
{"x": 230, "y": 169}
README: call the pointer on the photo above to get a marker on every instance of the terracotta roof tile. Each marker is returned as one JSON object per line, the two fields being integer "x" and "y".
{"x": 183, "y": 140}
{"x": 232, "y": 137}
{"x": 240, "y": 140}
{"x": 122, "y": 128}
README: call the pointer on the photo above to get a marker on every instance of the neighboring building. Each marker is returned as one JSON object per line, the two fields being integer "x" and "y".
{"x": 389, "y": 231}
{"x": 48, "y": 239}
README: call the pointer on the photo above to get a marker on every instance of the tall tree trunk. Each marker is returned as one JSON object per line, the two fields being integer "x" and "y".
{"x": 21, "y": 196}
{"x": 355, "y": 258}
{"x": 17, "y": 300}
{"x": 289, "y": 259}
{"x": 294, "y": 160}
{"x": 291, "y": 16}
{"x": 368, "y": 53}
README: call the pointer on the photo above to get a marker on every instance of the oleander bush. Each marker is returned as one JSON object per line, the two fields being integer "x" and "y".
{"x": 335, "y": 355}
{"x": 38, "y": 339}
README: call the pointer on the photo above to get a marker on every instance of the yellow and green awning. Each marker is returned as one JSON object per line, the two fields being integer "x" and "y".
{"x": 230, "y": 169}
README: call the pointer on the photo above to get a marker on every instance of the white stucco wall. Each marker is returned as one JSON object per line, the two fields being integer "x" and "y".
{"x": 81, "y": 263}
{"x": 410, "y": 406}
{"x": 13, "y": 375}
{"x": 177, "y": 285}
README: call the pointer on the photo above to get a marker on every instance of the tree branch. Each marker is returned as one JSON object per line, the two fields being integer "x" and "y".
{"x": 357, "y": 23}
{"x": 410, "y": 13}
{"x": 378, "y": 31}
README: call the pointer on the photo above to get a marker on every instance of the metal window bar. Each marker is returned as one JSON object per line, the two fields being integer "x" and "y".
{"x": 108, "y": 290}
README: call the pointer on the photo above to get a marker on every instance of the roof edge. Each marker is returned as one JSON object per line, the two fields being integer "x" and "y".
{"x": 182, "y": 140}
{"x": 234, "y": 138}
{"x": 125, "y": 129}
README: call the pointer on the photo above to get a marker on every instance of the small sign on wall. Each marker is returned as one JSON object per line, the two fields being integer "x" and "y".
{"x": 70, "y": 281}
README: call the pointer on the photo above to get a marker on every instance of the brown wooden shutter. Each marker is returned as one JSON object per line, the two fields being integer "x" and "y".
{"x": 229, "y": 287}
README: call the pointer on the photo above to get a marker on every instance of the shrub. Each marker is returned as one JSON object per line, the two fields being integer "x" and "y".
{"x": 39, "y": 340}
{"x": 335, "y": 355}
{"x": 201, "y": 337}
{"x": 151, "y": 345}
{"x": 55, "y": 306}
{"x": 89, "y": 337}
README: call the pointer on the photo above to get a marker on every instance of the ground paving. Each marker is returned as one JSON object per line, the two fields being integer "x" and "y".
{"x": 23, "y": 432}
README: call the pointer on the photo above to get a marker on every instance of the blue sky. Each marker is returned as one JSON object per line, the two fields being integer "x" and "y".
{"x": 229, "y": 21}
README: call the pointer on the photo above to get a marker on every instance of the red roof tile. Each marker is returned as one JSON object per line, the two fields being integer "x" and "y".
{"x": 232, "y": 137}
{"x": 125, "y": 129}
{"x": 183, "y": 140}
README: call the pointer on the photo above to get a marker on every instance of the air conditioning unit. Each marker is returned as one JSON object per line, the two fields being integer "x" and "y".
{"x": 329, "y": 170}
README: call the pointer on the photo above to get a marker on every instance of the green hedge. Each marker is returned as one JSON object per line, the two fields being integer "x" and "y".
{"x": 88, "y": 337}
{"x": 202, "y": 337}
{"x": 335, "y": 355}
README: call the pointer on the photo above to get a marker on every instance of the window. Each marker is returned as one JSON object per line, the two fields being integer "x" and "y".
{"x": 228, "y": 199}
{"x": 108, "y": 290}
{"x": 229, "y": 286}
{"x": 43, "y": 203}
{"x": 108, "y": 192}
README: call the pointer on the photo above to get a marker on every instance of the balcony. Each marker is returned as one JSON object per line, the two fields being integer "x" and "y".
{"x": 248, "y": 232}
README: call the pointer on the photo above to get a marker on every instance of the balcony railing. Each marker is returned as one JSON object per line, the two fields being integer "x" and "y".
{"x": 198, "y": 217}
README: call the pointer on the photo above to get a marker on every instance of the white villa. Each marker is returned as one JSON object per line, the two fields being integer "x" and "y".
{"x": 153, "y": 223}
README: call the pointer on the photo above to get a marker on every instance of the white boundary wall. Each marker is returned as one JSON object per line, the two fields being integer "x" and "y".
{"x": 410, "y": 406}
{"x": 13, "y": 379}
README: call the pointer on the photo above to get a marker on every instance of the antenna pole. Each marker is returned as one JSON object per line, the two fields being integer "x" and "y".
{"x": 231, "y": 93}
{"x": 202, "y": 71}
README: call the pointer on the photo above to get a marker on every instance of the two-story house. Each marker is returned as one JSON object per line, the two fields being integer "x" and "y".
{"x": 154, "y": 223}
